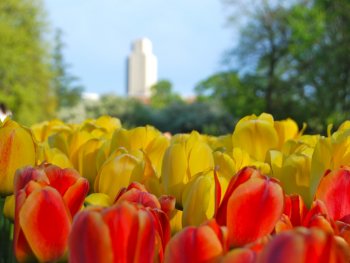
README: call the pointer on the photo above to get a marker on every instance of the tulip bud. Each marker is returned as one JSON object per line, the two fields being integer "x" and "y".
{"x": 255, "y": 135}
{"x": 47, "y": 198}
{"x": 305, "y": 245}
{"x": 182, "y": 160}
{"x": 196, "y": 244}
{"x": 125, "y": 232}
{"x": 250, "y": 198}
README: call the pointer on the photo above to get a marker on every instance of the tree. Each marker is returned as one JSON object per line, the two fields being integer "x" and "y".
{"x": 237, "y": 96}
{"x": 68, "y": 92}
{"x": 25, "y": 72}
{"x": 163, "y": 95}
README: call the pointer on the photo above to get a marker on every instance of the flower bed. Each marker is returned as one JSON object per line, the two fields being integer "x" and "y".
{"x": 96, "y": 192}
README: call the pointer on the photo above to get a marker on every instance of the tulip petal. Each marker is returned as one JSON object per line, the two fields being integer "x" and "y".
{"x": 259, "y": 200}
{"x": 240, "y": 255}
{"x": 41, "y": 214}
{"x": 334, "y": 191}
{"x": 75, "y": 195}
{"x": 194, "y": 245}
{"x": 89, "y": 240}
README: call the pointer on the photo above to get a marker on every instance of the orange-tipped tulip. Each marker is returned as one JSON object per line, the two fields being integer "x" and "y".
{"x": 17, "y": 149}
{"x": 47, "y": 198}
{"x": 251, "y": 207}
{"x": 334, "y": 191}
{"x": 205, "y": 243}
{"x": 305, "y": 245}
{"x": 125, "y": 232}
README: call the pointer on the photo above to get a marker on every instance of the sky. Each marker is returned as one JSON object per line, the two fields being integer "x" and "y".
{"x": 189, "y": 38}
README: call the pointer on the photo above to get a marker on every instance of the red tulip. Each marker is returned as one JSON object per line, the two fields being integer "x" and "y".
{"x": 295, "y": 209}
{"x": 205, "y": 243}
{"x": 47, "y": 198}
{"x": 137, "y": 193}
{"x": 125, "y": 232}
{"x": 251, "y": 207}
{"x": 318, "y": 216}
{"x": 305, "y": 245}
{"x": 240, "y": 255}
{"x": 334, "y": 191}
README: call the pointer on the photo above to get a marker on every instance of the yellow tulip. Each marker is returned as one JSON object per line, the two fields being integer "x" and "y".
{"x": 17, "y": 149}
{"x": 77, "y": 140}
{"x": 292, "y": 166}
{"x": 295, "y": 174}
{"x": 53, "y": 156}
{"x": 9, "y": 207}
{"x": 114, "y": 174}
{"x": 147, "y": 139}
{"x": 186, "y": 157}
{"x": 198, "y": 198}
{"x": 42, "y": 131}
{"x": 255, "y": 135}
{"x": 145, "y": 174}
{"x": 98, "y": 199}
{"x": 104, "y": 126}
{"x": 330, "y": 153}
{"x": 286, "y": 130}
{"x": 85, "y": 161}
{"x": 224, "y": 165}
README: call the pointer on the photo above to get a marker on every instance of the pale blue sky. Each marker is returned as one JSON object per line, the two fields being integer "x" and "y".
{"x": 188, "y": 38}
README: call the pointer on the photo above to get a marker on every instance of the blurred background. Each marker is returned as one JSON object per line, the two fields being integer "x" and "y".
{"x": 216, "y": 61}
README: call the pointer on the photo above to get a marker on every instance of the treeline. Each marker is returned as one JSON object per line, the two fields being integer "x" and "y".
{"x": 34, "y": 79}
{"x": 165, "y": 110}
{"x": 292, "y": 60}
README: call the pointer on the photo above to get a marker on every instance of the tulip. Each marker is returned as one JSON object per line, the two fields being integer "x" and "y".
{"x": 53, "y": 156}
{"x": 47, "y": 198}
{"x": 125, "y": 232}
{"x": 255, "y": 135}
{"x": 42, "y": 131}
{"x": 294, "y": 175}
{"x": 286, "y": 130}
{"x": 199, "y": 198}
{"x": 240, "y": 255}
{"x": 305, "y": 245}
{"x": 250, "y": 198}
{"x": 182, "y": 160}
{"x": 334, "y": 191}
{"x": 17, "y": 149}
{"x": 115, "y": 174}
{"x": 85, "y": 161}
{"x": 205, "y": 243}
{"x": 147, "y": 139}
{"x": 330, "y": 154}
{"x": 295, "y": 209}
{"x": 145, "y": 174}
{"x": 319, "y": 217}
{"x": 98, "y": 199}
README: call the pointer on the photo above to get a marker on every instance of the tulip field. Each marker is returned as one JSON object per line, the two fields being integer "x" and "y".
{"x": 97, "y": 192}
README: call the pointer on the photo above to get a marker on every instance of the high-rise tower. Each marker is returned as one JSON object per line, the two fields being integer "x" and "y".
{"x": 142, "y": 69}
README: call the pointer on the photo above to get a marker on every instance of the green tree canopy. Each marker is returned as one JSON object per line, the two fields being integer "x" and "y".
{"x": 25, "y": 69}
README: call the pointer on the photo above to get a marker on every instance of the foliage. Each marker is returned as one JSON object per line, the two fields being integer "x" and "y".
{"x": 68, "y": 93}
{"x": 25, "y": 74}
{"x": 163, "y": 95}
{"x": 176, "y": 117}
{"x": 292, "y": 59}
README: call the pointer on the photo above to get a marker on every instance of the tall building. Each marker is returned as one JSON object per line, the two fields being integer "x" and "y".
{"x": 142, "y": 69}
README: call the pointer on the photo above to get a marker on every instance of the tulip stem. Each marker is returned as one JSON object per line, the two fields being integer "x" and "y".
{"x": 6, "y": 251}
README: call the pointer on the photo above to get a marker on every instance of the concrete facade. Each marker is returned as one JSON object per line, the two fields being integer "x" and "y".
{"x": 142, "y": 69}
